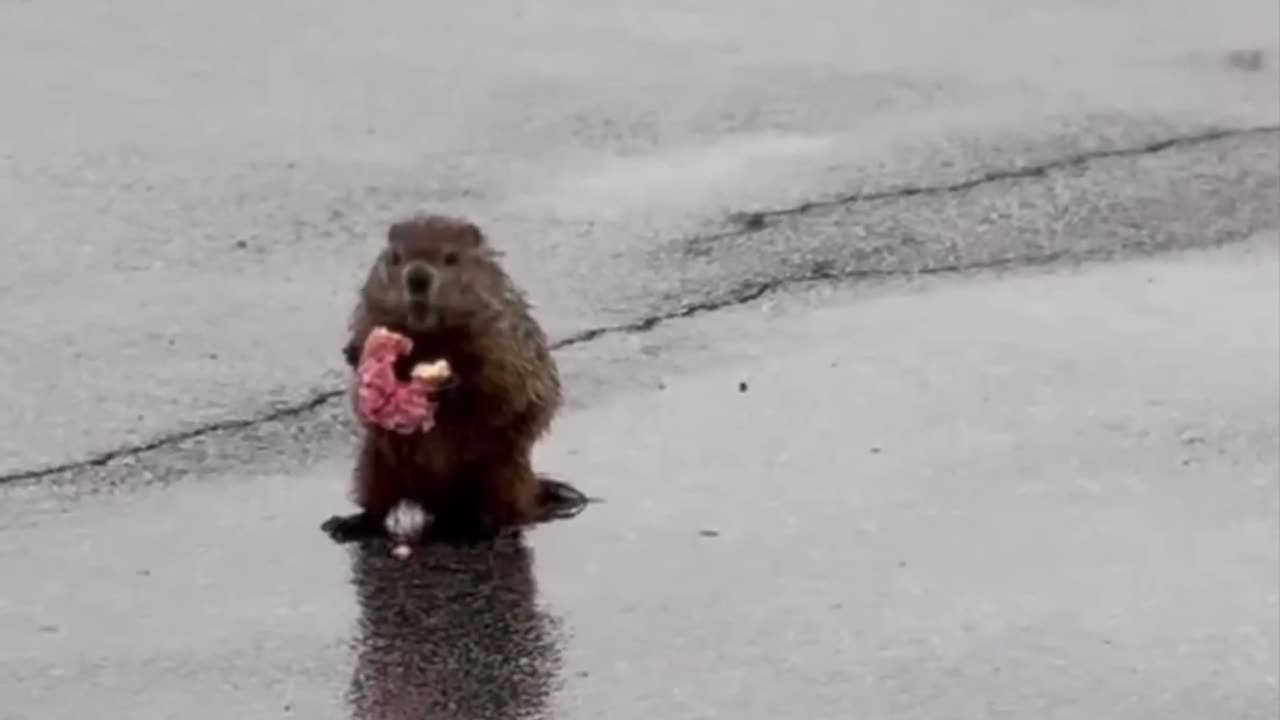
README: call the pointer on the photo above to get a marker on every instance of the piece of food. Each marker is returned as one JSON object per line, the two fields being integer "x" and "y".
{"x": 432, "y": 374}
{"x": 382, "y": 400}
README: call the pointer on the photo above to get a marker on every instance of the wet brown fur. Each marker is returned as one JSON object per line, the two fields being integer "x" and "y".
{"x": 473, "y": 469}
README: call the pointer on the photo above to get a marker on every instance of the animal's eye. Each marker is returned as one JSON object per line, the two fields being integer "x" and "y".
{"x": 451, "y": 258}
{"x": 393, "y": 258}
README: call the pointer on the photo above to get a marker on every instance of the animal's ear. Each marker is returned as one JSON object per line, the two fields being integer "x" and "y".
{"x": 474, "y": 237}
{"x": 395, "y": 231}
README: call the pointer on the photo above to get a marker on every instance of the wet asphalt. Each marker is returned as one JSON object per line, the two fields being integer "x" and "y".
{"x": 1025, "y": 530}
{"x": 923, "y": 356}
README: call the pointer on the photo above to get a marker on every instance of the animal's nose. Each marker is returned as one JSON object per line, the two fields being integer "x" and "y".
{"x": 417, "y": 279}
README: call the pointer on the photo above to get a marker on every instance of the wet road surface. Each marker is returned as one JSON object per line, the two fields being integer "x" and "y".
{"x": 1055, "y": 497}
{"x": 871, "y": 442}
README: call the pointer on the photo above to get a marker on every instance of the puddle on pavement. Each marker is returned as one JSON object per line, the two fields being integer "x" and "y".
{"x": 451, "y": 629}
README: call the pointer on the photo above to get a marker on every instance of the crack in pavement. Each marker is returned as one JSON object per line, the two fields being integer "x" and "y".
{"x": 757, "y": 220}
{"x": 745, "y": 224}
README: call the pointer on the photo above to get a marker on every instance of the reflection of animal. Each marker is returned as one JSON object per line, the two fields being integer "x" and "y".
{"x": 451, "y": 633}
{"x": 439, "y": 282}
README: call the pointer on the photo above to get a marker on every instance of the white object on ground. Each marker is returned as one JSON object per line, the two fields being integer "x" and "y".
{"x": 405, "y": 524}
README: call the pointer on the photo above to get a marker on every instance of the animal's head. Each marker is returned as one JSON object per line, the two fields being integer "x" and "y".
{"x": 435, "y": 270}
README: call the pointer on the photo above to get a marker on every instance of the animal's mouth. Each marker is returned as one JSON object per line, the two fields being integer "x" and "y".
{"x": 420, "y": 316}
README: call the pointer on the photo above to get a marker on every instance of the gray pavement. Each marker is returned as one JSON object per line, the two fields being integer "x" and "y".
{"x": 969, "y": 477}
{"x": 1055, "y": 497}
{"x": 187, "y": 190}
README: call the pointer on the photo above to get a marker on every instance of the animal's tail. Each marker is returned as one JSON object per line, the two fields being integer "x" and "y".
{"x": 559, "y": 500}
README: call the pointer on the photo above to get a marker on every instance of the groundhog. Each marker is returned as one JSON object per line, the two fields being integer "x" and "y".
{"x": 439, "y": 281}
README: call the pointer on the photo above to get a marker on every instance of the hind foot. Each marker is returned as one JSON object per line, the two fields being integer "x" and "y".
{"x": 353, "y": 528}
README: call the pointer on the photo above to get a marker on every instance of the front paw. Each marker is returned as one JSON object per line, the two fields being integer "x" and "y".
{"x": 351, "y": 354}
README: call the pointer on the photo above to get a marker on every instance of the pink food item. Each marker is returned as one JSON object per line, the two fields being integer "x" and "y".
{"x": 382, "y": 400}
